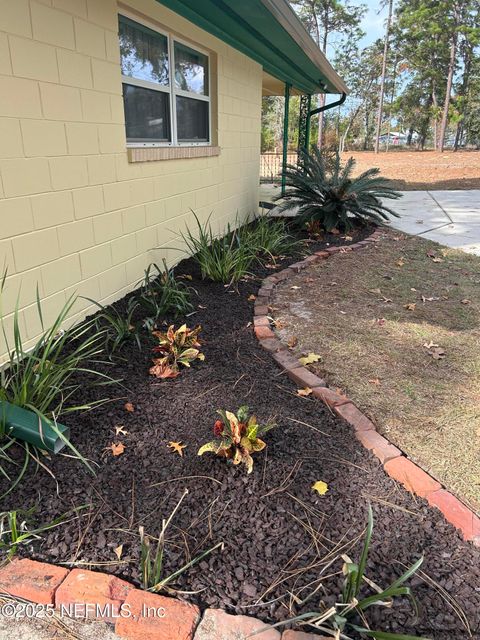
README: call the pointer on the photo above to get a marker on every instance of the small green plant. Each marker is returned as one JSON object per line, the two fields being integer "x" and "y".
{"x": 117, "y": 327}
{"x": 176, "y": 347}
{"x": 348, "y": 614}
{"x": 237, "y": 437}
{"x": 224, "y": 259}
{"x": 326, "y": 191}
{"x": 44, "y": 378}
{"x": 15, "y": 529}
{"x": 162, "y": 294}
{"x": 269, "y": 238}
{"x": 152, "y": 556}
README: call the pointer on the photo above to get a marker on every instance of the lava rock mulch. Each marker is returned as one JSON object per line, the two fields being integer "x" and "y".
{"x": 278, "y": 533}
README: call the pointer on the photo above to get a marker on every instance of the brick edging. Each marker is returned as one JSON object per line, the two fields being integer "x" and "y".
{"x": 137, "y": 615}
{"x": 395, "y": 462}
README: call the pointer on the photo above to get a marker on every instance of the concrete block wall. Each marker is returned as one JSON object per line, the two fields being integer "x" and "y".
{"x": 75, "y": 215}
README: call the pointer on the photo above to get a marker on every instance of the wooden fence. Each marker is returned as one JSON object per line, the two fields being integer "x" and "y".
{"x": 271, "y": 165}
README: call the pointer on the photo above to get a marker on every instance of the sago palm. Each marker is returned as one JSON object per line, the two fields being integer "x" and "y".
{"x": 325, "y": 191}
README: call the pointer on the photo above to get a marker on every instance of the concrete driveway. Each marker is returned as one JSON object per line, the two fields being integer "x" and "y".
{"x": 449, "y": 217}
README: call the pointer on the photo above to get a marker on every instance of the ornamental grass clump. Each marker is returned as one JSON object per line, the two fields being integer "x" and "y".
{"x": 324, "y": 190}
{"x": 175, "y": 348}
{"x": 222, "y": 259}
{"x": 237, "y": 437}
{"x": 161, "y": 294}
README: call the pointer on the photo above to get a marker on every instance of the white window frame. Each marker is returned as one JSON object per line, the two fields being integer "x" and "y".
{"x": 171, "y": 88}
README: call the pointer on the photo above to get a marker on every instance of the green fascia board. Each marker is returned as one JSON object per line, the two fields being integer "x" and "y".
{"x": 249, "y": 27}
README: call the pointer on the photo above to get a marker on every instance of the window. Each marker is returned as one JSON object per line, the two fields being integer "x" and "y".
{"x": 166, "y": 92}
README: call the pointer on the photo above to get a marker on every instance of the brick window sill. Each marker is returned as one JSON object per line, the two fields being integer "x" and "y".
{"x": 150, "y": 154}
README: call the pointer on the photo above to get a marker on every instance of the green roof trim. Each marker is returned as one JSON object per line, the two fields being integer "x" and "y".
{"x": 247, "y": 25}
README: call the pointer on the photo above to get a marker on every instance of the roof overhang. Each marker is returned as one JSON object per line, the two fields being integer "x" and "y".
{"x": 269, "y": 32}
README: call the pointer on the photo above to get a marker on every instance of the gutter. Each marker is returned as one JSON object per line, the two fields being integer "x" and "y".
{"x": 314, "y": 112}
{"x": 286, "y": 16}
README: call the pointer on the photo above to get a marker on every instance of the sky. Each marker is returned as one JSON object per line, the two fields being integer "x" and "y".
{"x": 373, "y": 23}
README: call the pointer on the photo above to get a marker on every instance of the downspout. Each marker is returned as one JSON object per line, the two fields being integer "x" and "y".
{"x": 314, "y": 112}
{"x": 285, "y": 135}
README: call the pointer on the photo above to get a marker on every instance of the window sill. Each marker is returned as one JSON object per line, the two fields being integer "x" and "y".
{"x": 150, "y": 154}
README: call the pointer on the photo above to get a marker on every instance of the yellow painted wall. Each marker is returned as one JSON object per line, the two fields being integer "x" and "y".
{"x": 75, "y": 215}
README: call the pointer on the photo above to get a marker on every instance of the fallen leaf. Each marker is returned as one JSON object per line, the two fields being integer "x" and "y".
{"x": 333, "y": 284}
{"x": 430, "y": 345}
{"x": 178, "y": 447}
{"x": 251, "y": 297}
{"x": 335, "y": 231}
{"x": 380, "y": 321}
{"x": 117, "y": 448}
{"x": 129, "y": 407}
{"x": 120, "y": 429}
{"x": 466, "y": 301}
{"x": 310, "y": 358}
{"x": 309, "y": 279}
{"x": 294, "y": 287}
{"x": 292, "y": 342}
{"x": 118, "y": 551}
{"x": 375, "y": 381}
{"x": 431, "y": 299}
{"x": 438, "y": 260}
{"x": 412, "y": 289}
{"x": 431, "y": 254}
{"x": 202, "y": 306}
{"x": 348, "y": 238}
{"x": 304, "y": 392}
{"x": 384, "y": 299}
{"x": 320, "y": 487}
{"x": 279, "y": 324}
{"x": 375, "y": 291}
{"x": 400, "y": 262}
{"x": 410, "y": 306}
{"x": 437, "y": 353}
{"x": 344, "y": 313}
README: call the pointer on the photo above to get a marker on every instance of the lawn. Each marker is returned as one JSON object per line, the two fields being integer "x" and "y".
{"x": 397, "y": 327}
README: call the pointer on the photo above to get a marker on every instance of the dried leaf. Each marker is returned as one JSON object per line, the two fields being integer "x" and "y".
{"x": 252, "y": 297}
{"x": 375, "y": 291}
{"x": 178, "y": 447}
{"x": 119, "y": 429}
{"x": 437, "y": 353}
{"x": 304, "y": 392}
{"x": 310, "y": 358}
{"x": 294, "y": 287}
{"x": 430, "y": 345}
{"x": 400, "y": 262}
{"x": 118, "y": 551}
{"x": 279, "y": 324}
{"x": 466, "y": 301}
{"x": 128, "y": 406}
{"x": 320, "y": 487}
{"x": 117, "y": 448}
{"x": 348, "y": 238}
{"x": 438, "y": 260}
{"x": 375, "y": 381}
{"x": 292, "y": 342}
{"x": 380, "y": 321}
{"x": 410, "y": 306}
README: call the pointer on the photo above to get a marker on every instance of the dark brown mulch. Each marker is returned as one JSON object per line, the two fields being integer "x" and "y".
{"x": 258, "y": 517}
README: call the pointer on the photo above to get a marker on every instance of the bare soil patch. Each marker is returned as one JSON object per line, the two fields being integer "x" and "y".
{"x": 420, "y": 170}
{"x": 397, "y": 327}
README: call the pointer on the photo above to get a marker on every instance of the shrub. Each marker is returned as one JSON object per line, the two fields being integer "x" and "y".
{"x": 224, "y": 259}
{"x": 161, "y": 294}
{"x": 237, "y": 437}
{"x": 326, "y": 191}
{"x": 347, "y": 614}
{"x": 118, "y": 328}
{"x": 175, "y": 348}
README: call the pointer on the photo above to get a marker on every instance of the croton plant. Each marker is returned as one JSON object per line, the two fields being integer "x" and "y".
{"x": 237, "y": 437}
{"x": 175, "y": 347}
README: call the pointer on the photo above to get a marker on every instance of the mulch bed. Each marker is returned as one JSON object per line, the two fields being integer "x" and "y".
{"x": 259, "y": 517}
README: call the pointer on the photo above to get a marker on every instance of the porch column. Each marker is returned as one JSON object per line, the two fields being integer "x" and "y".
{"x": 285, "y": 134}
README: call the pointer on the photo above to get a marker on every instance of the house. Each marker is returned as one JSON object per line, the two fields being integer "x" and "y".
{"x": 118, "y": 120}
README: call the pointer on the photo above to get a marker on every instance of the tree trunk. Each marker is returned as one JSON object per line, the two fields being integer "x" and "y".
{"x": 382, "y": 80}
{"x": 448, "y": 93}
{"x": 322, "y": 95}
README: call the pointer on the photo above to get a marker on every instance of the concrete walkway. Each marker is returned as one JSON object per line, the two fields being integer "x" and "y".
{"x": 449, "y": 217}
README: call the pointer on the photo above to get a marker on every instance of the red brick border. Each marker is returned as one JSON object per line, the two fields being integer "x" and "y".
{"x": 396, "y": 464}
{"x": 136, "y": 614}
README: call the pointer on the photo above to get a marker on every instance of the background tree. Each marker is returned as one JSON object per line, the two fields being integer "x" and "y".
{"x": 384, "y": 70}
